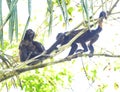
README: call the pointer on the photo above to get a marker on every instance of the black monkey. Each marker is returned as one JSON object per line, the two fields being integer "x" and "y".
{"x": 29, "y": 48}
{"x": 90, "y": 36}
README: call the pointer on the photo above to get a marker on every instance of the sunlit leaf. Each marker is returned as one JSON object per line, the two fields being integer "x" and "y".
{"x": 116, "y": 85}
{"x": 85, "y": 9}
{"x": 50, "y": 10}
{"x": 63, "y": 6}
{"x": 1, "y": 23}
{"x": 12, "y": 5}
{"x": 70, "y": 10}
{"x": 29, "y": 16}
{"x": 94, "y": 73}
{"x": 60, "y": 17}
{"x": 16, "y": 23}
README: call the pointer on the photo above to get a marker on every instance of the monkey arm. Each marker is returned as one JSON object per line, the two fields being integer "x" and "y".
{"x": 59, "y": 41}
{"x": 23, "y": 54}
{"x": 40, "y": 48}
{"x": 53, "y": 47}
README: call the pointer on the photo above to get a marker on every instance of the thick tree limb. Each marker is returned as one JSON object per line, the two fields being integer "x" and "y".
{"x": 8, "y": 73}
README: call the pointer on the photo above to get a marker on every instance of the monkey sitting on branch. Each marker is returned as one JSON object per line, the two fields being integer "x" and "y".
{"x": 29, "y": 48}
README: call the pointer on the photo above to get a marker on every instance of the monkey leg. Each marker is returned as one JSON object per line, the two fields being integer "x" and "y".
{"x": 90, "y": 45}
{"x": 73, "y": 49}
{"x": 85, "y": 49}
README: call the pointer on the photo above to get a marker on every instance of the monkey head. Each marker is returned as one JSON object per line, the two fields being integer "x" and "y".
{"x": 60, "y": 38}
{"x": 103, "y": 15}
{"x": 29, "y": 35}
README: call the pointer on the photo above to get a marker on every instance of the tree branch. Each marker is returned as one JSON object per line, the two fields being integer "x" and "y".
{"x": 16, "y": 71}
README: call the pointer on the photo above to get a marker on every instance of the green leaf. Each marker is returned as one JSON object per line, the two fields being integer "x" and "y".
{"x": 70, "y": 10}
{"x": 1, "y": 23}
{"x": 94, "y": 72}
{"x": 16, "y": 23}
{"x": 63, "y": 6}
{"x": 60, "y": 17}
{"x": 116, "y": 85}
{"x": 84, "y": 4}
{"x": 50, "y": 10}
{"x": 29, "y": 16}
{"x": 13, "y": 22}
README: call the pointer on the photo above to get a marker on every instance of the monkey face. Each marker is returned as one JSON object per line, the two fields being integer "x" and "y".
{"x": 29, "y": 35}
{"x": 60, "y": 37}
{"x": 103, "y": 14}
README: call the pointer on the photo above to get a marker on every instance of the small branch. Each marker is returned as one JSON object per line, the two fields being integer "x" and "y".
{"x": 110, "y": 11}
{"x": 115, "y": 13}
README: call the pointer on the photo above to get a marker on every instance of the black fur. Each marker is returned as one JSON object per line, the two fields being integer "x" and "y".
{"x": 90, "y": 36}
{"x": 29, "y": 48}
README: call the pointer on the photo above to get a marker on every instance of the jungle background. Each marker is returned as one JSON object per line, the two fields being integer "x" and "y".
{"x": 59, "y": 73}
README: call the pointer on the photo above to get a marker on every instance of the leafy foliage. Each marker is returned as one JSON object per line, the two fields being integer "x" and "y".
{"x": 47, "y": 80}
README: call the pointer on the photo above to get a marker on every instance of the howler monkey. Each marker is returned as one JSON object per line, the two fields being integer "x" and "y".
{"x": 90, "y": 36}
{"x": 29, "y": 48}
